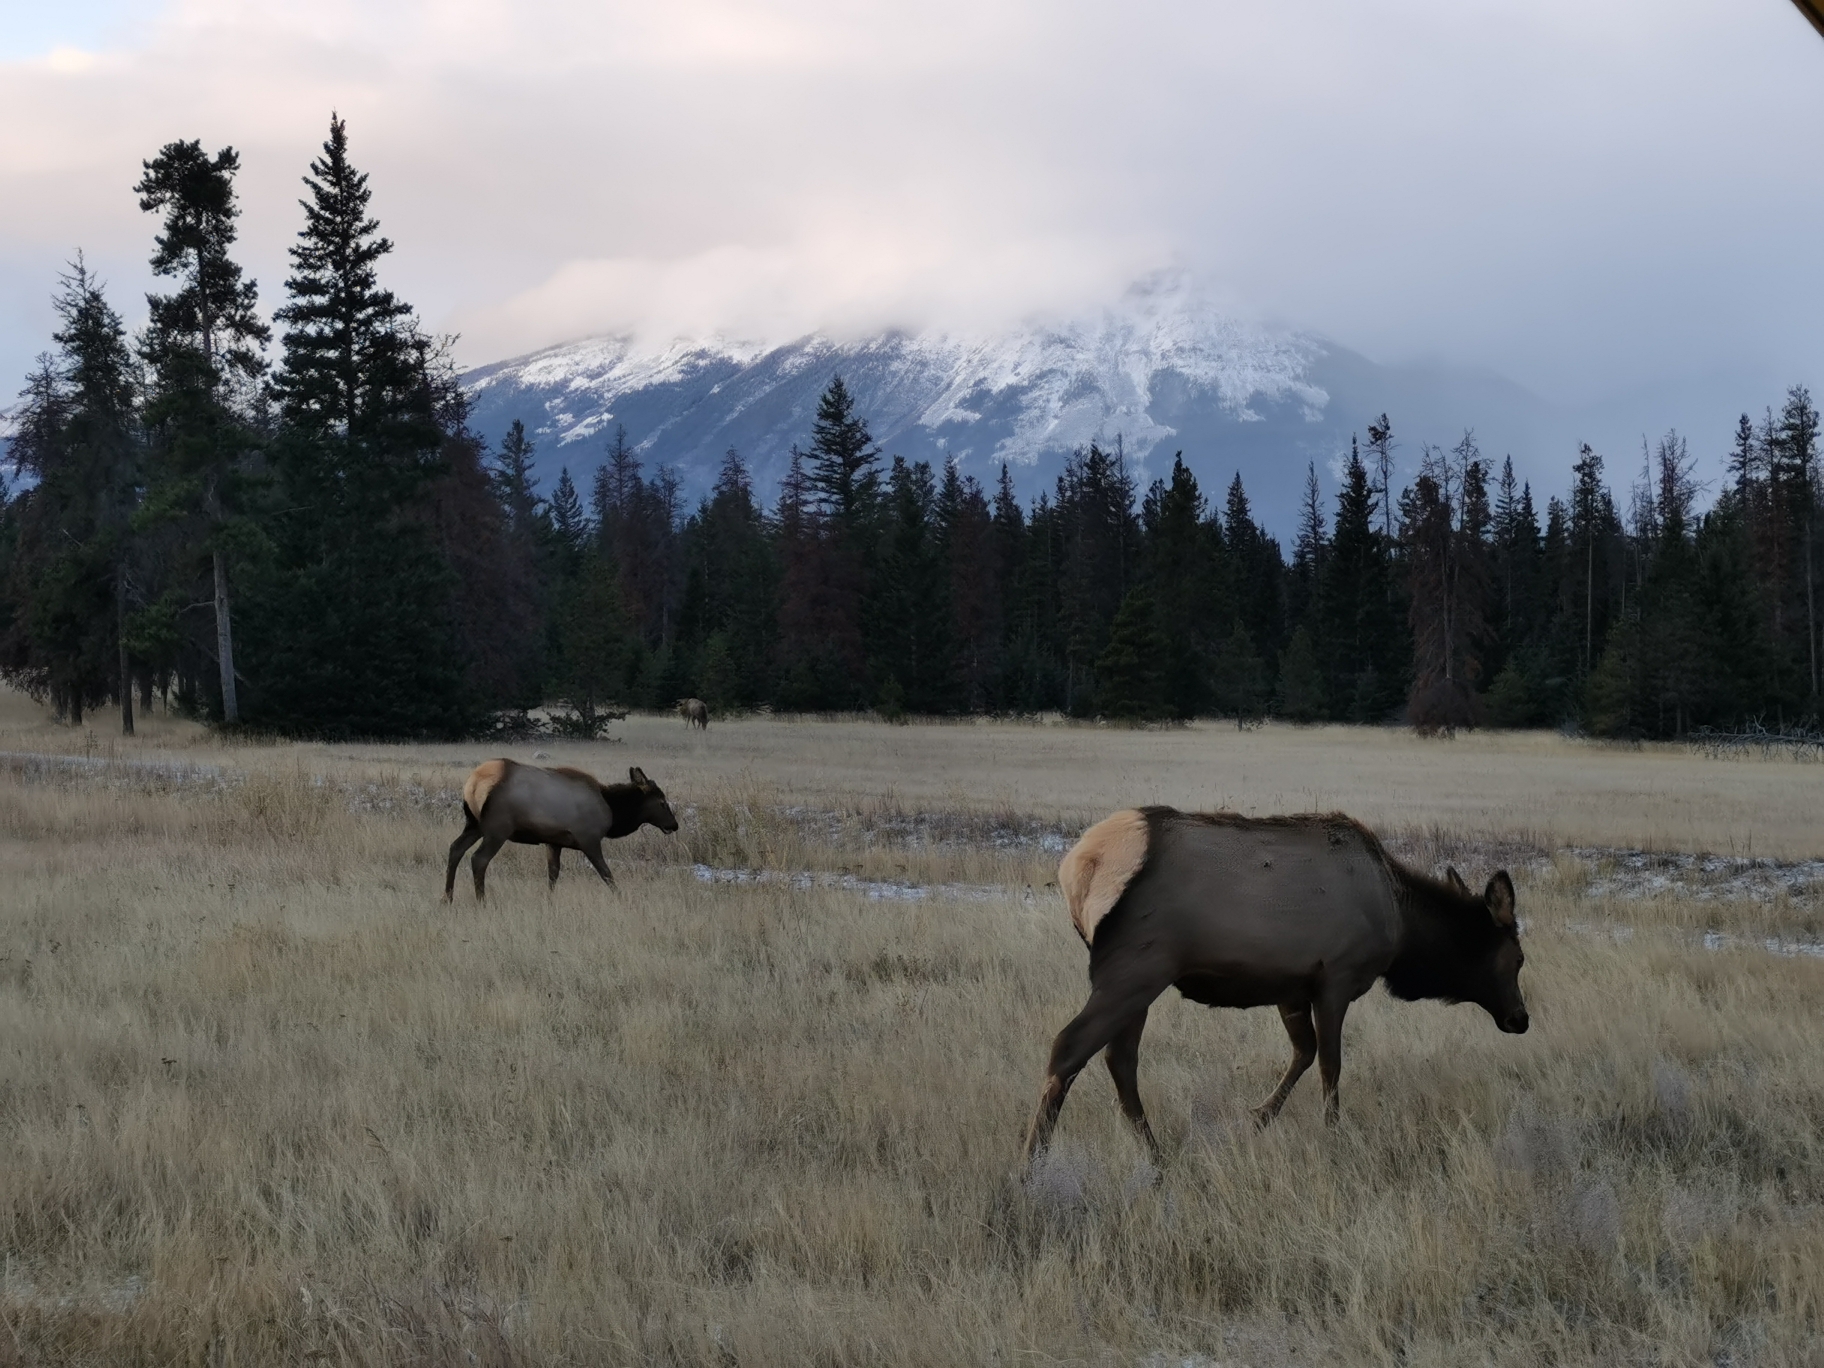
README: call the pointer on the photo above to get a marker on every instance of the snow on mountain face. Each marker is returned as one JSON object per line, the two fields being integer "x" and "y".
{"x": 1160, "y": 371}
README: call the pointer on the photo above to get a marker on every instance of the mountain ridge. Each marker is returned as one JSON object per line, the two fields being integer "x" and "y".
{"x": 1160, "y": 372}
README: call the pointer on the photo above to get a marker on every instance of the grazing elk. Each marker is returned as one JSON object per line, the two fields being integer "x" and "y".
{"x": 560, "y": 809}
{"x": 1302, "y": 913}
{"x": 695, "y": 712}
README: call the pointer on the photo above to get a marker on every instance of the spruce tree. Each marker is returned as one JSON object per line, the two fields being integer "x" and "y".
{"x": 203, "y": 347}
{"x": 78, "y": 437}
{"x": 910, "y": 638}
{"x": 356, "y": 629}
{"x": 1187, "y": 570}
{"x": 844, "y": 462}
{"x": 969, "y": 561}
{"x": 1130, "y": 671}
{"x": 1364, "y": 653}
{"x": 515, "y": 486}
{"x": 568, "y": 518}
{"x": 353, "y": 378}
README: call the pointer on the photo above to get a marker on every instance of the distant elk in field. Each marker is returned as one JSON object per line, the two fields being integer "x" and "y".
{"x": 1301, "y": 913}
{"x": 695, "y": 712}
{"x": 560, "y": 809}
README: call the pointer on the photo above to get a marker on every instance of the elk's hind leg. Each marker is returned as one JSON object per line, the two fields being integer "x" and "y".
{"x": 471, "y": 833}
{"x": 1103, "y": 1017}
{"x": 554, "y": 856}
{"x": 1123, "y": 1059}
{"x": 1304, "y": 1051}
{"x": 490, "y": 847}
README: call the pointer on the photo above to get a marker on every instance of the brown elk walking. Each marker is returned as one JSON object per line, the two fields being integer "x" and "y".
{"x": 1302, "y": 913}
{"x": 560, "y": 809}
{"x": 695, "y": 712}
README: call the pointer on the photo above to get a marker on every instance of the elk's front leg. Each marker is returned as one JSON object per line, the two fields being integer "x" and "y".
{"x": 1304, "y": 1050}
{"x": 1329, "y": 1016}
{"x": 554, "y": 856}
{"x": 593, "y": 854}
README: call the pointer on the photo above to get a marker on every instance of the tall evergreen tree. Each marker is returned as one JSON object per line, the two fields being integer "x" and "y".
{"x": 910, "y": 636}
{"x": 203, "y": 347}
{"x": 1190, "y": 585}
{"x": 77, "y": 436}
{"x": 1305, "y": 581}
{"x": 353, "y": 380}
{"x": 1259, "y": 571}
{"x": 357, "y": 632}
{"x": 1444, "y": 518}
{"x": 1364, "y": 646}
{"x": 970, "y": 562}
{"x": 1101, "y": 540}
{"x": 1794, "y": 475}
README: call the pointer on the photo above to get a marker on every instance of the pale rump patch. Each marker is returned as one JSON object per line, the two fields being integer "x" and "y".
{"x": 1099, "y": 868}
{"x": 481, "y": 783}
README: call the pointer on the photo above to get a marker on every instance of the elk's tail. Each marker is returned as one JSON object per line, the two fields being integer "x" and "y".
{"x": 1100, "y": 866}
{"x": 481, "y": 783}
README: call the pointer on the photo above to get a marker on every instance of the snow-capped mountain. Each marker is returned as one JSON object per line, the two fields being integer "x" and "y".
{"x": 1161, "y": 371}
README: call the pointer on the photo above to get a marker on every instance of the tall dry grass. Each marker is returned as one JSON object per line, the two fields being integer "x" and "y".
{"x": 264, "y": 1098}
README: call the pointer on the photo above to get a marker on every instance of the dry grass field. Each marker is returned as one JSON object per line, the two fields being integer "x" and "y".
{"x": 265, "y": 1099}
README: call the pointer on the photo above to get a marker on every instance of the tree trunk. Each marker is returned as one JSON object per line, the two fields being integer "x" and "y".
{"x": 1811, "y": 613}
{"x": 1589, "y": 603}
{"x": 224, "y": 642}
{"x": 120, "y": 636}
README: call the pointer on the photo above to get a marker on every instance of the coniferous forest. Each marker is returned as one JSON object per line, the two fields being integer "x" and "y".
{"x": 292, "y": 528}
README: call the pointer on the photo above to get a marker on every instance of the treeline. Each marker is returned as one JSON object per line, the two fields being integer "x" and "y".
{"x": 322, "y": 546}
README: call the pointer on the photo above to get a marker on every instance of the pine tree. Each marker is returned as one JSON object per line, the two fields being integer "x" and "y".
{"x": 357, "y": 631}
{"x": 1100, "y": 540}
{"x": 1305, "y": 582}
{"x": 1301, "y": 680}
{"x": 203, "y": 346}
{"x": 1381, "y": 443}
{"x": 1587, "y": 495}
{"x": 844, "y": 462}
{"x": 1130, "y": 671}
{"x": 969, "y": 559}
{"x": 1259, "y": 572}
{"x": 510, "y": 473}
{"x": 1796, "y": 472}
{"x": 1364, "y": 644}
{"x": 910, "y": 640}
{"x": 594, "y": 648}
{"x": 568, "y": 518}
{"x": 731, "y": 559}
{"x": 1239, "y": 680}
{"x": 78, "y": 437}
{"x": 1444, "y": 519}
{"x": 1187, "y": 569}
{"x": 353, "y": 378}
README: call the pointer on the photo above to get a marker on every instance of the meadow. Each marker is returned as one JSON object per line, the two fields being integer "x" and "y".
{"x": 265, "y": 1098}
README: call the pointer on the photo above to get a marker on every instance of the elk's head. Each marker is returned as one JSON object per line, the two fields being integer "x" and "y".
{"x": 1496, "y": 974}
{"x": 654, "y": 810}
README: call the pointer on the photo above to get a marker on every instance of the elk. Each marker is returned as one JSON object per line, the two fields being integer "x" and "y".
{"x": 560, "y": 809}
{"x": 695, "y": 712}
{"x": 1302, "y": 913}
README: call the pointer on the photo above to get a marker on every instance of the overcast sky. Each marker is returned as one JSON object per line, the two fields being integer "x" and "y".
{"x": 1593, "y": 199}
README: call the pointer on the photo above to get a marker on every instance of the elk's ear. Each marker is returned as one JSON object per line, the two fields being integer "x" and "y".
{"x": 638, "y": 776}
{"x": 1455, "y": 880}
{"x": 1499, "y": 895}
